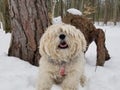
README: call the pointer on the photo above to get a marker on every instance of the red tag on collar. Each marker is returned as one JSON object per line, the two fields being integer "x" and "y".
{"x": 62, "y": 71}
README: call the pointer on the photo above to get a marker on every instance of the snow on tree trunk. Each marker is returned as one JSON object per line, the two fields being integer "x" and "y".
{"x": 29, "y": 19}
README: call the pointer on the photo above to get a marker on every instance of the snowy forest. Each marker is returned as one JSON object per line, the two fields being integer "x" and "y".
{"x": 23, "y": 22}
{"x": 97, "y": 10}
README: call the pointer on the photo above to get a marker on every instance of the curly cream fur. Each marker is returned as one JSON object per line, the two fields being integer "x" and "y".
{"x": 73, "y": 56}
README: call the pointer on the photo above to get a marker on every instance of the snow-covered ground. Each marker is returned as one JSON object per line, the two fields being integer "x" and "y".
{"x": 107, "y": 77}
{"x": 16, "y": 74}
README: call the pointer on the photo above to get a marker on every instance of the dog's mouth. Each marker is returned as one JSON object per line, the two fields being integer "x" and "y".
{"x": 63, "y": 45}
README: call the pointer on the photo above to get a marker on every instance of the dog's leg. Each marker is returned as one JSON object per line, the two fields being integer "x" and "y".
{"x": 44, "y": 82}
{"x": 102, "y": 53}
{"x": 83, "y": 80}
{"x": 71, "y": 82}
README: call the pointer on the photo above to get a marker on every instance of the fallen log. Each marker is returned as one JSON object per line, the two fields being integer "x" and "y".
{"x": 91, "y": 34}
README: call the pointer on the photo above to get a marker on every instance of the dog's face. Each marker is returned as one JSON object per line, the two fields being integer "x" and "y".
{"x": 62, "y": 41}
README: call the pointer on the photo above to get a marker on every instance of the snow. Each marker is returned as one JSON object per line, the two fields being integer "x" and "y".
{"x": 107, "y": 77}
{"x": 74, "y": 11}
{"x": 57, "y": 20}
{"x": 16, "y": 74}
{"x": 5, "y": 41}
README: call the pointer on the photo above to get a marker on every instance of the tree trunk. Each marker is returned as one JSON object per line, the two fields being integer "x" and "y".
{"x": 29, "y": 19}
{"x": 62, "y": 8}
{"x": 115, "y": 12}
{"x": 82, "y": 5}
{"x": 98, "y": 12}
{"x": 106, "y": 12}
{"x": 91, "y": 34}
{"x": 4, "y": 14}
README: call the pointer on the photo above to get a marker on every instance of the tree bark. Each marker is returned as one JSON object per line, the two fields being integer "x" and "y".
{"x": 29, "y": 19}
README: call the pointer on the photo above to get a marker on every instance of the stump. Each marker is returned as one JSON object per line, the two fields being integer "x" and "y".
{"x": 91, "y": 34}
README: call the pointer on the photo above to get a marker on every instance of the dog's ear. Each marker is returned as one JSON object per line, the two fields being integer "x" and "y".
{"x": 41, "y": 46}
{"x": 83, "y": 42}
{"x": 81, "y": 38}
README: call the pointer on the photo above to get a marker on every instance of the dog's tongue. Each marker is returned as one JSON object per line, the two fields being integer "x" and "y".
{"x": 63, "y": 45}
{"x": 62, "y": 71}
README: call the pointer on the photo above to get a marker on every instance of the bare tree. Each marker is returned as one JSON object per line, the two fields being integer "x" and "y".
{"x": 62, "y": 7}
{"x": 82, "y": 4}
{"x": 106, "y": 11}
{"x": 52, "y": 11}
{"x": 115, "y": 12}
{"x": 98, "y": 9}
{"x": 29, "y": 19}
{"x": 4, "y": 15}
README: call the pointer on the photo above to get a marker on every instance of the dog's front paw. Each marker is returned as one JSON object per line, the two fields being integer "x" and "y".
{"x": 83, "y": 80}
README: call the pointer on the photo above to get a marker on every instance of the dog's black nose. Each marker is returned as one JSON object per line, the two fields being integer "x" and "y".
{"x": 62, "y": 36}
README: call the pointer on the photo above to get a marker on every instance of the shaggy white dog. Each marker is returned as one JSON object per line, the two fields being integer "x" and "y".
{"x": 62, "y": 58}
